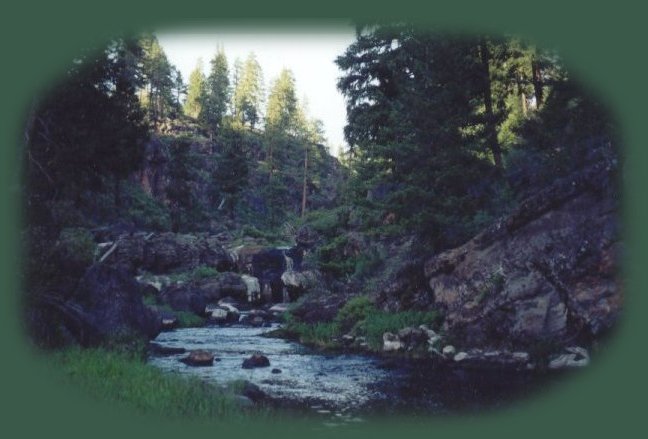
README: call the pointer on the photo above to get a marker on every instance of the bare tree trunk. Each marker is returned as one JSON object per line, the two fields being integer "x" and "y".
{"x": 270, "y": 158}
{"x": 537, "y": 82}
{"x": 491, "y": 130}
{"x": 303, "y": 209}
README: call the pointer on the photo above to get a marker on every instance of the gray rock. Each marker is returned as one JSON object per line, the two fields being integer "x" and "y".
{"x": 199, "y": 358}
{"x": 552, "y": 259}
{"x": 574, "y": 357}
{"x": 391, "y": 342}
{"x": 256, "y": 360}
{"x": 449, "y": 350}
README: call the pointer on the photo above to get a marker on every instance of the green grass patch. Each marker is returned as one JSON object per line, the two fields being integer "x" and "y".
{"x": 360, "y": 317}
{"x": 199, "y": 273}
{"x": 377, "y": 323}
{"x": 186, "y": 319}
{"x": 117, "y": 377}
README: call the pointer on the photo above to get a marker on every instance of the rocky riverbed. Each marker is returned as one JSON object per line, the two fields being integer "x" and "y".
{"x": 342, "y": 387}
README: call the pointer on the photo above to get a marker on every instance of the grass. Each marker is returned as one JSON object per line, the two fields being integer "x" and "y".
{"x": 122, "y": 378}
{"x": 377, "y": 323}
{"x": 360, "y": 317}
{"x": 186, "y": 319}
{"x": 198, "y": 273}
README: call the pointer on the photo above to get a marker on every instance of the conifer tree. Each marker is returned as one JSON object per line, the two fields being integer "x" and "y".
{"x": 158, "y": 74}
{"x": 248, "y": 92}
{"x": 216, "y": 94}
{"x": 195, "y": 91}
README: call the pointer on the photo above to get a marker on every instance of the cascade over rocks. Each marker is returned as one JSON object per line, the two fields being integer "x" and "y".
{"x": 268, "y": 264}
{"x": 548, "y": 271}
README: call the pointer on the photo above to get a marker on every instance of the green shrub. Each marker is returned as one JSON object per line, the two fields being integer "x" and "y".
{"x": 147, "y": 212}
{"x": 332, "y": 259}
{"x": 367, "y": 263}
{"x": 321, "y": 334}
{"x": 324, "y": 221}
{"x": 74, "y": 250}
{"x": 354, "y": 311}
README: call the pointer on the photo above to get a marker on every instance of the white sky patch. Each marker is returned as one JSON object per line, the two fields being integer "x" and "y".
{"x": 310, "y": 56}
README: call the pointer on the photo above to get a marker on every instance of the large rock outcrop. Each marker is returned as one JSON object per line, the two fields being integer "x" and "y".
{"x": 547, "y": 272}
{"x": 167, "y": 252}
{"x": 106, "y": 306}
{"x": 195, "y": 295}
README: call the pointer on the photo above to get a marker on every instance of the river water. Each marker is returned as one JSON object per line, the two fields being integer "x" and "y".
{"x": 342, "y": 387}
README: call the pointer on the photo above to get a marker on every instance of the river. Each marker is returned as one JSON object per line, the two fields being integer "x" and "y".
{"x": 341, "y": 387}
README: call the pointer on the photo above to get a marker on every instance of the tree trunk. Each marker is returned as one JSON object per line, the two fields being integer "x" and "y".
{"x": 491, "y": 129}
{"x": 303, "y": 207}
{"x": 524, "y": 104}
{"x": 537, "y": 82}
{"x": 270, "y": 159}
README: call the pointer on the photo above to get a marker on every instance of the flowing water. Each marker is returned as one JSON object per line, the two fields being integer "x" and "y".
{"x": 343, "y": 387}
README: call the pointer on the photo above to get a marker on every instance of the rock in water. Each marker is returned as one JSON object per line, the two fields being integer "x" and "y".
{"x": 256, "y": 360}
{"x": 199, "y": 358}
{"x": 158, "y": 349}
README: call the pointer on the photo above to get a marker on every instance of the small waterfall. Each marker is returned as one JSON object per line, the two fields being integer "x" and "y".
{"x": 289, "y": 262}
{"x": 289, "y": 268}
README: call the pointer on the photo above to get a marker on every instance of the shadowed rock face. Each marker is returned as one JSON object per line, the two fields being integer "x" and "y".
{"x": 166, "y": 252}
{"x": 107, "y": 303}
{"x": 546, "y": 272}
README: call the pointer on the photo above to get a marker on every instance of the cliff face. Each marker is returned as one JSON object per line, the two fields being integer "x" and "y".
{"x": 546, "y": 273}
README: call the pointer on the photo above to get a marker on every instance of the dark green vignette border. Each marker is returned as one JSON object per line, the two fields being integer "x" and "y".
{"x": 602, "y": 44}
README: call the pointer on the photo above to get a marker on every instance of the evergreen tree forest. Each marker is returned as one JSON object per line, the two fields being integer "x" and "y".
{"x": 446, "y": 133}
{"x": 123, "y": 117}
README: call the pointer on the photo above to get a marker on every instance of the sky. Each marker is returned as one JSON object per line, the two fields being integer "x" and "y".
{"x": 310, "y": 56}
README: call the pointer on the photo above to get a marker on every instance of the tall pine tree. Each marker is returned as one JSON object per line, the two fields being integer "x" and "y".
{"x": 216, "y": 94}
{"x": 195, "y": 91}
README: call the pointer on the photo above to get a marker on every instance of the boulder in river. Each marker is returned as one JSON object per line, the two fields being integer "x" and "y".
{"x": 223, "y": 314}
{"x": 256, "y": 360}
{"x": 199, "y": 358}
